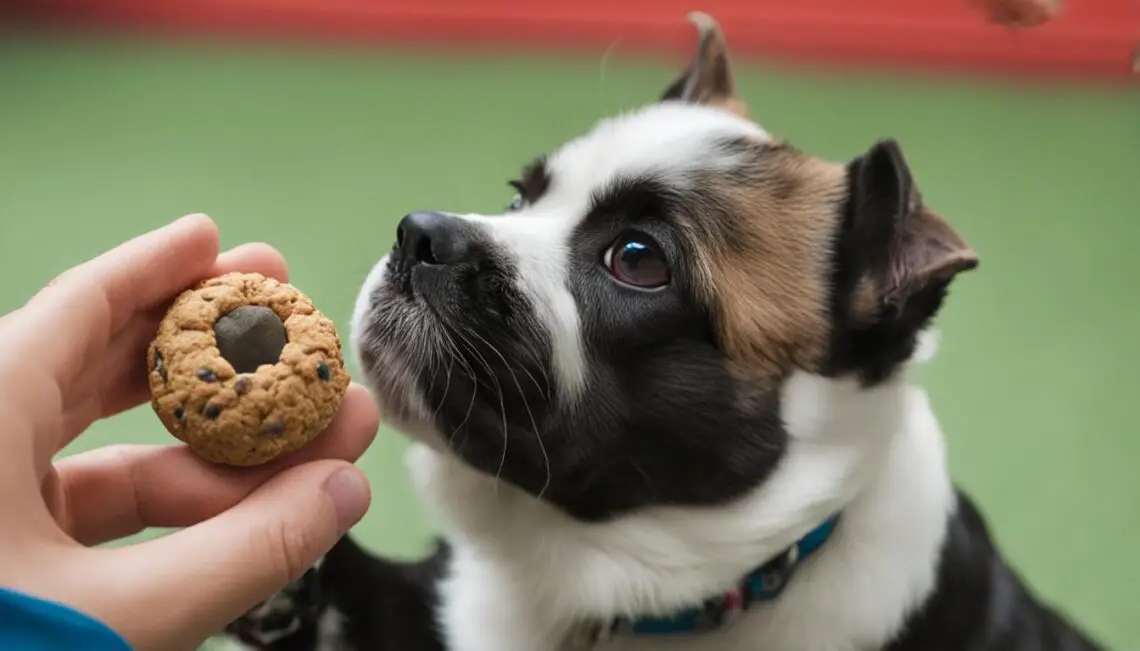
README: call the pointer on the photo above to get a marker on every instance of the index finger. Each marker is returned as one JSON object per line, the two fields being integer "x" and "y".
{"x": 127, "y": 387}
{"x": 74, "y": 319}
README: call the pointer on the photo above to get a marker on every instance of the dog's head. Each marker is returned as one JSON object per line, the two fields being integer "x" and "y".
{"x": 621, "y": 335}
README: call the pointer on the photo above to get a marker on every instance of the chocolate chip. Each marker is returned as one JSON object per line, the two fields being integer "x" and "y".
{"x": 211, "y": 411}
{"x": 275, "y": 429}
{"x": 249, "y": 336}
{"x": 179, "y": 412}
{"x": 241, "y": 387}
{"x": 206, "y": 375}
{"x": 323, "y": 371}
{"x": 160, "y": 366}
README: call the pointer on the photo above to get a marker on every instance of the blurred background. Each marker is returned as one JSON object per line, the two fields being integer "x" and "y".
{"x": 314, "y": 125}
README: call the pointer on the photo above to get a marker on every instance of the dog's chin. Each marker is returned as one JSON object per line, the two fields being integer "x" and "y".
{"x": 387, "y": 326}
{"x": 410, "y": 365}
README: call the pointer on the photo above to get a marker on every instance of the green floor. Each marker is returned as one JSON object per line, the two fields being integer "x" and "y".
{"x": 320, "y": 154}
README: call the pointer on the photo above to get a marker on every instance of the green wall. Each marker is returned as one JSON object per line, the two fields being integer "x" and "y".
{"x": 320, "y": 153}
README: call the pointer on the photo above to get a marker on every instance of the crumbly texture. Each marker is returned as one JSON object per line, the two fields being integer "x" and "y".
{"x": 249, "y": 418}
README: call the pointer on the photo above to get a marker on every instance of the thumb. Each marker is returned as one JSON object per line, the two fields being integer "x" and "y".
{"x": 210, "y": 574}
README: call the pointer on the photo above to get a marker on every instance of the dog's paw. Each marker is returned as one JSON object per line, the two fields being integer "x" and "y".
{"x": 294, "y": 611}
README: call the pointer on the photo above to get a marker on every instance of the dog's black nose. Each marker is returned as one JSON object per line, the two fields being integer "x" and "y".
{"x": 433, "y": 238}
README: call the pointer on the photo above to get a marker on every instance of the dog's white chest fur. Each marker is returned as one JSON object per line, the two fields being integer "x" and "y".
{"x": 527, "y": 578}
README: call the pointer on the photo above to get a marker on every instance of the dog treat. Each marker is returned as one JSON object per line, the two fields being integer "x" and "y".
{"x": 1019, "y": 13}
{"x": 244, "y": 368}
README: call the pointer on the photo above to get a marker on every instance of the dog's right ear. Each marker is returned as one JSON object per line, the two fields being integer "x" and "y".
{"x": 896, "y": 260}
{"x": 907, "y": 250}
{"x": 708, "y": 79}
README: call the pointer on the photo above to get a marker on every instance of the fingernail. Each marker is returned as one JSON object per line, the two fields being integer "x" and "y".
{"x": 350, "y": 495}
{"x": 194, "y": 221}
{"x": 189, "y": 219}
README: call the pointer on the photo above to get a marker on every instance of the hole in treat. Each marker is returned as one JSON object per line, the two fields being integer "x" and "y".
{"x": 250, "y": 336}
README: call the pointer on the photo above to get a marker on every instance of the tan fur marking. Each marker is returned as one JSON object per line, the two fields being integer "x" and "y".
{"x": 865, "y": 301}
{"x": 768, "y": 275}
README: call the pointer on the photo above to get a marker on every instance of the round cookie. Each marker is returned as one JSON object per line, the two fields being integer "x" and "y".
{"x": 244, "y": 368}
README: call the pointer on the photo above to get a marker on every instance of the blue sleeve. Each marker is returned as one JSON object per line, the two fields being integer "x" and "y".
{"x": 31, "y": 624}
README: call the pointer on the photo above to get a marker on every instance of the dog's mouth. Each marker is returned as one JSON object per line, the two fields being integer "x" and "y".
{"x": 455, "y": 358}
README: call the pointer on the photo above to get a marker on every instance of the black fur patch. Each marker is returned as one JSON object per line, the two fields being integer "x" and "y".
{"x": 980, "y": 604}
{"x": 379, "y": 605}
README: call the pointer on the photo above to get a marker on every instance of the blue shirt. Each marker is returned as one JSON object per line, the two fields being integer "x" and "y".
{"x": 31, "y": 624}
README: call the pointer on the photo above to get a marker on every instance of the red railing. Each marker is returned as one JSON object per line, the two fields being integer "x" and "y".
{"x": 1090, "y": 38}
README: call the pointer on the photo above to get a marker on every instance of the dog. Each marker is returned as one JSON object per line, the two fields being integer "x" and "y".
{"x": 661, "y": 404}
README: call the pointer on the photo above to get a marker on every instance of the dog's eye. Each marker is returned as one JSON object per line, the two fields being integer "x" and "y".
{"x": 518, "y": 202}
{"x": 636, "y": 261}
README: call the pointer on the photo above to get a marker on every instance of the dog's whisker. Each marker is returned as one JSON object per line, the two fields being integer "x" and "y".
{"x": 602, "y": 71}
{"x": 502, "y": 404}
{"x": 447, "y": 383}
{"x": 546, "y": 388}
{"x": 644, "y": 476}
{"x": 466, "y": 368}
{"x": 530, "y": 413}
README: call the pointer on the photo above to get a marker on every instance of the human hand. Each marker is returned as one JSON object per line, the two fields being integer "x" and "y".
{"x": 1019, "y": 13}
{"x": 75, "y": 353}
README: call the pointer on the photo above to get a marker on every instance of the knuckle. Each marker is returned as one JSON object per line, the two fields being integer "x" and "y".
{"x": 289, "y": 548}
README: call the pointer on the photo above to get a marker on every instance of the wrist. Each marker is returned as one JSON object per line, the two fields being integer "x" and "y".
{"x": 32, "y": 623}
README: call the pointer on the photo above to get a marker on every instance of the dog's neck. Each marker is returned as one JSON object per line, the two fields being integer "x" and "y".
{"x": 763, "y": 584}
{"x": 874, "y": 454}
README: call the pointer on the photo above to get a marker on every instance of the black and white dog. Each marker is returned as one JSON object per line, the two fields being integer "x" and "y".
{"x": 661, "y": 404}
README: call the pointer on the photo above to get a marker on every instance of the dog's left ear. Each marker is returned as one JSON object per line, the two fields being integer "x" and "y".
{"x": 708, "y": 79}
{"x": 909, "y": 253}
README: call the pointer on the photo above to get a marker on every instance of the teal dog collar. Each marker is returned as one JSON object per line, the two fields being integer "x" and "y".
{"x": 763, "y": 584}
